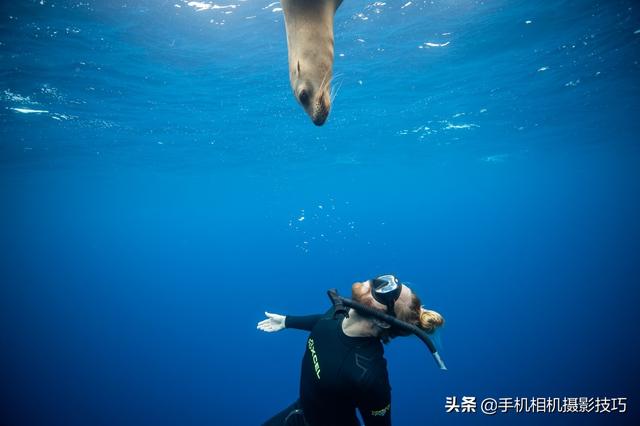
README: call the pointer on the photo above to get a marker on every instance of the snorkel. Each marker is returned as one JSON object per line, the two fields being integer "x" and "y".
{"x": 342, "y": 305}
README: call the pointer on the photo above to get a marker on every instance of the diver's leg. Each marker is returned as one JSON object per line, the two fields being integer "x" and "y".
{"x": 290, "y": 416}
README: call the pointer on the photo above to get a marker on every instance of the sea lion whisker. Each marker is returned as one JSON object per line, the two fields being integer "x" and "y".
{"x": 334, "y": 93}
{"x": 337, "y": 75}
{"x": 324, "y": 79}
{"x": 335, "y": 78}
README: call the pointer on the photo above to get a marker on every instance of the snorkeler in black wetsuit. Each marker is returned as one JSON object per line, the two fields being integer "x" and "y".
{"x": 343, "y": 367}
{"x": 339, "y": 374}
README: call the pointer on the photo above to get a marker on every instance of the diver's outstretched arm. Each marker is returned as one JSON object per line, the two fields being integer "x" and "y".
{"x": 276, "y": 322}
{"x": 273, "y": 322}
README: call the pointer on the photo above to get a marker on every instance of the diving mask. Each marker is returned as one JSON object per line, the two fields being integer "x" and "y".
{"x": 386, "y": 289}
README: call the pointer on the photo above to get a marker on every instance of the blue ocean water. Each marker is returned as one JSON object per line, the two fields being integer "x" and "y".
{"x": 161, "y": 188}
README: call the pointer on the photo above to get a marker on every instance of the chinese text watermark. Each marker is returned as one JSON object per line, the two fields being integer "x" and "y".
{"x": 491, "y": 406}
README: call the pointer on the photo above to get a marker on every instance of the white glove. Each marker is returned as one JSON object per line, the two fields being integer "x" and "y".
{"x": 274, "y": 322}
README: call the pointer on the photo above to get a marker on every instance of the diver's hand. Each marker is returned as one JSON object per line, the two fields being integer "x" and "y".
{"x": 274, "y": 322}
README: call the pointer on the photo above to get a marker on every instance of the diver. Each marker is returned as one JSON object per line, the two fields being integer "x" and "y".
{"x": 343, "y": 367}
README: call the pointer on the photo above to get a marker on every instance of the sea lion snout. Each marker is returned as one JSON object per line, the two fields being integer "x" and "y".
{"x": 321, "y": 111}
{"x": 316, "y": 104}
{"x": 319, "y": 119}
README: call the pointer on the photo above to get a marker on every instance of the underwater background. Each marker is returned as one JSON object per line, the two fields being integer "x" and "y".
{"x": 160, "y": 189}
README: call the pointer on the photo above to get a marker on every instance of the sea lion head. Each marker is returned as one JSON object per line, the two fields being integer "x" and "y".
{"x": 311, "y": 87}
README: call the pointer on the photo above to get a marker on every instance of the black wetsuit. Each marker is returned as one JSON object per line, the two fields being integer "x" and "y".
{"x": 339, "y": 374}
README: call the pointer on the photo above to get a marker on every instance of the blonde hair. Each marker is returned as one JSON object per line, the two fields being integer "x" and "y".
{"x": 415, "y": 313}
{"x": 430, "y": 320}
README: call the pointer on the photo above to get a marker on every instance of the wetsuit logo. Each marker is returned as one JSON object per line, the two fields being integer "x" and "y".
{"x": 314, "y": 358}
{"x": 382, "y": 412}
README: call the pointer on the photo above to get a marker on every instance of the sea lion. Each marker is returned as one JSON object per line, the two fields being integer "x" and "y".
{"x": 309, "y": 26}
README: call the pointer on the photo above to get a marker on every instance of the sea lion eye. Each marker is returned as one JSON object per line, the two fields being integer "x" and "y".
{"x": 304, "y": 97}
